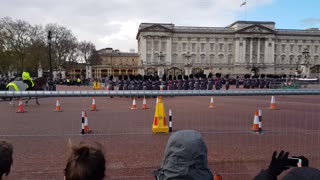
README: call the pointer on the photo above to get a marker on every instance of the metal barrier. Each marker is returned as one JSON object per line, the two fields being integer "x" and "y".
{"x": 141, "y": 93}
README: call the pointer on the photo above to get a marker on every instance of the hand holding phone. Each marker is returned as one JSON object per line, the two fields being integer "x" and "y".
{"x": 278, "y": 163}
{"x": 294, "y": 162}
{"x": 297, "y": 161}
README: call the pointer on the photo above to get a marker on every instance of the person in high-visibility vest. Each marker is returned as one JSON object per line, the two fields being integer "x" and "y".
{"x": 28, "y": 80}
{"x": 68, "y": 82}
{"x": 78, "y": 81}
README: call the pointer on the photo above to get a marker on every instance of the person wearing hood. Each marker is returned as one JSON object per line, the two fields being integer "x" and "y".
{"x": 185, "y": 158}
{"x": 280, "y": 163}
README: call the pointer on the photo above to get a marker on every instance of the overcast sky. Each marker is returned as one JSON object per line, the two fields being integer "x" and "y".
{"x": 114, "y": 23}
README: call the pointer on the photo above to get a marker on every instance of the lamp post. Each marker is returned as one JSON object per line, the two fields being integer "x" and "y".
{"x": 49, "y": 43}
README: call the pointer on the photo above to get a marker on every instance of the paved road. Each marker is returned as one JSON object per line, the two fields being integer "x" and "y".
{"x": 40, "y": 136}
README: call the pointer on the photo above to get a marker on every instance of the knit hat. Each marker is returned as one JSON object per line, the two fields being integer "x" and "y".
{"x": 303, "y": 173}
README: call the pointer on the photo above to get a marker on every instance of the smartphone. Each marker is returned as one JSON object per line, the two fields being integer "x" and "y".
{"x": 294, "y": 162}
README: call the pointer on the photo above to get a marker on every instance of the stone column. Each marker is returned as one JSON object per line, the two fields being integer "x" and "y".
{"x": 168, "y": 52}
{"x": 237, "y": 57}
{"x": 143, "y": 49}
{"x": 266, "y": 51}
{"x": 258, "y": 51}
{"x": 152, "y": 49}
{"x": 250, "y": 58}
{"x": 88, "y": 71}
{"x": 243, "y": 50}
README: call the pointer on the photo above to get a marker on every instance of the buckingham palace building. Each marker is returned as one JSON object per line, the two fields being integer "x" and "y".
{"x": 243, "y": 47}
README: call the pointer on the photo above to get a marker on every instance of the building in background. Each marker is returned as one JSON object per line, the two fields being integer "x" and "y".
{"x": 244, "y": 47}
{"x": 113, "y": 62}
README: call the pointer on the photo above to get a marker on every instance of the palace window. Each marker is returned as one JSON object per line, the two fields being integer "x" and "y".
{"x": 174, "y": 58}
{"x": 291, "y": 59}
{"x": 291, "y": 47}
{"x": 221, "y": 47}
{"x": 184, "y": 47}
{"x": 193, "y": 47}
{"x": 229, "y": 59}
{"x": 156, "y": 45}
{"x": 193, "y": 58}
{"x": 202, "y": 58}
{"x": 283, "y": 48}
{"x": 174, "y": 47}
{"x": 148, "y": 45}
{"x": 283, "y": 57}
{"x": 148, "y": 58}
{"x": 203, "y": 47}
{"x": 163, "y": 46}
{"x": 211, "y": 47}
{"x": 316, "y": 47}
{"x": 230, "y": 47}
{"x": 211, "y": 58}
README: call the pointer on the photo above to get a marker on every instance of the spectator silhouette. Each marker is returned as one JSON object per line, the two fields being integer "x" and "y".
{"x": 280, "y": 163}
{"x": 6, "y": 151}
{"x": 85, "y": 162}
{"x": 185, "y": 157}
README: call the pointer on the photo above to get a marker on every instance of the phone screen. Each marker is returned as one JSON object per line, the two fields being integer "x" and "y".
{"x": 293, "y": 162}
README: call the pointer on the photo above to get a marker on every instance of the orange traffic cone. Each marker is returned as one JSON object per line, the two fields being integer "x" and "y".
{"x": 20, "y": 108}
{"x": 58, "y": 106}
{"x": 273, "y": 103}
{"x": 134, "y": 104}
{"x": 144, "y": 103}
{"x": 86, "y": 123}
{"x": 159, "y": 124}
{"x": 217, "y": 177}
{"x": 212, "y": 103}
{"x": 255, "y": 126}
{"x": 93, "y": 106}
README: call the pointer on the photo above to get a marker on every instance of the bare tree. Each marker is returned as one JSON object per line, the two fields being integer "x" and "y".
{"x": 17, "y": 36}
{"x": 94, "y": 58}
{"x": 63, "y": 43}
{"x": 86, "y": 49}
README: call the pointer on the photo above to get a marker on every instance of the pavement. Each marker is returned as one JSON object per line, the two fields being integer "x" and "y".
{"x": 41, "y": 136}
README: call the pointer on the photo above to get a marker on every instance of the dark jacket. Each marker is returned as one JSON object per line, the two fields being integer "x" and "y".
{"x": 185, "y": 158}
{"x": 301, "y": 173}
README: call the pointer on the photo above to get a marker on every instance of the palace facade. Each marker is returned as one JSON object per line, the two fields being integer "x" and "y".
{"x": 244, "y": 47}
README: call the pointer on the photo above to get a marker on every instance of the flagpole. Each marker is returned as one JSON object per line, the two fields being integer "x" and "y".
{"x": 245, "y": 11}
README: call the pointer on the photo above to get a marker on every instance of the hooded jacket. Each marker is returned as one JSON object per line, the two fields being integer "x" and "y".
{"x": 300, "y": 173}
{"x": 303, "y": 173}
{"x": 185, "y": 158}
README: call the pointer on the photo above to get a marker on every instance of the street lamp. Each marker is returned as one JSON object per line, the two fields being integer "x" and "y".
{"x": 49, "y": 43}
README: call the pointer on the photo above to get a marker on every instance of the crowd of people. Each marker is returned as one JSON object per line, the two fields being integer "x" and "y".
{"x": 150, "y": 82}
{"x": 185, "y": 158}
{"x": 191, "y": 82}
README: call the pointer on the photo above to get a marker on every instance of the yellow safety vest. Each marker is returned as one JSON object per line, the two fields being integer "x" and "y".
{"x": 26, "y": 76}
{"x": 14, "y": 85}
